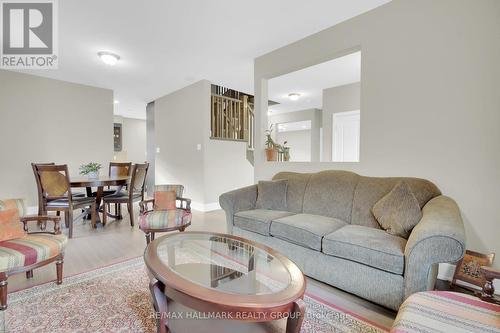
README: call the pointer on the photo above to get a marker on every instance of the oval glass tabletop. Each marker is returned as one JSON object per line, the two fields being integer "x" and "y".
{"x": 225, "y": 264}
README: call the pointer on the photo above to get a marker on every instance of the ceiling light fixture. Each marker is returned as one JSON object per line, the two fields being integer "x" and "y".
{"x": 108, "y": 58}
{"x": 116, "y": 102}
{"x": 293, "y": 96}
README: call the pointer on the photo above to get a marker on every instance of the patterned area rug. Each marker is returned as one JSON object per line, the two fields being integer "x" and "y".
{"x": 116, "y": 299}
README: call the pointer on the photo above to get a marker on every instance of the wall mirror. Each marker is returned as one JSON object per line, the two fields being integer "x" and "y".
{"x": 315, "y": 115}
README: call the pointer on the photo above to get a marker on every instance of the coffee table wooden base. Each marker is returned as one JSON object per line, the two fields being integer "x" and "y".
{"x": 160, "y": 299}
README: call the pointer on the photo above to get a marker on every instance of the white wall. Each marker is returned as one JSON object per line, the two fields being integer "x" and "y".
{"x": 133, "y": 140}
{"x": 299, "y": 143}
{"x": 337, "y": 99}
{"x": 314, "y": 115}
{"x": 182, "y": 122}
{"x": 430, "y": 100}
{"x": 46, "y": 120}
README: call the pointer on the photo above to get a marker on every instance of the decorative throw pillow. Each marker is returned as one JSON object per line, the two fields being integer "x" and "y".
{"x": 272, "y": 194}
{"x": 398, "y": 212}
{"x": 10, "y": 225}
{"x": 165, "y": 200}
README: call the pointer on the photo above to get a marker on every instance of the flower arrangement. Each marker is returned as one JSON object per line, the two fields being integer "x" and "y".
{"x": 91, "y": 169}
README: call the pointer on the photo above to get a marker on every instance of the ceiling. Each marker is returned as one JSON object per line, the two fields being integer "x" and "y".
{"x": 310, "y": 82}
{"x": 165, "y": 45}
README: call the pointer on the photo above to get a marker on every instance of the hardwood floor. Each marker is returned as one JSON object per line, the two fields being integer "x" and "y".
{"x": 118, "y": 241}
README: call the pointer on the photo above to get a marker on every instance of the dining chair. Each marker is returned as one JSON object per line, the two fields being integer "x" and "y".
{"x": 135, "y": 192}
{"x": 56, "y": 194}
{"x": 116, "y": 169}
{"x": 41, "y": 199}
{"x": 22, "y": 250}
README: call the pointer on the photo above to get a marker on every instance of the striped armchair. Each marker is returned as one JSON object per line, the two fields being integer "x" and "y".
{"x": 28, "y": 250}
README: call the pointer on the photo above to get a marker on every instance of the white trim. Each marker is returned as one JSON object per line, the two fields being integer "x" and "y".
{"x": 31, "y": 210}
{"x": 205, "y": 207}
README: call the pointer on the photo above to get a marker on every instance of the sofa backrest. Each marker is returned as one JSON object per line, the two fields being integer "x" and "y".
{"x": 346, "y": 195}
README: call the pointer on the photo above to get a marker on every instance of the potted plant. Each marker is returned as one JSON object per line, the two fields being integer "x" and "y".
{"x": 91, "y": 170}
{"x": 271, "y": 149}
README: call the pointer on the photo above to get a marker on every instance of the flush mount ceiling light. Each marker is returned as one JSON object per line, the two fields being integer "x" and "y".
{"x": 108, "y": 58}
{"x": 293, "y": 96}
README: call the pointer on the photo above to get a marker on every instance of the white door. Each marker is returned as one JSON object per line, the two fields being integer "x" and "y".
{"x": 345, "y": 147}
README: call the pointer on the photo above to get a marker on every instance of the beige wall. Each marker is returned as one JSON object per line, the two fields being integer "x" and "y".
{"x": 430, "y": 101}
{"x": 337, "y": 99}
{"x": 181, "y": 123}
{"x": 133, "y": 140}
{"x": 45, "y": 120}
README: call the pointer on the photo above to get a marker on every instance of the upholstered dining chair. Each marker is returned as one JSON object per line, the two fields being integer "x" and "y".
{"x": 116, "y": 169}
{"x": 41, "y": 199}
{"x": 165, "y": 214}
{"x": 57, "y": 196}
{"x": 134, "y": 193}
{"x": 23, "y": 251}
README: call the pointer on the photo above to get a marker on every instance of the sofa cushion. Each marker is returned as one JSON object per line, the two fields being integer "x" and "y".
{"x": 369, "y": 246}
{"x": 258, "y": 220}
{"x": 271, "y": 194}
{"x": 305, "y": 229}
{"x": 297, "y": 183}
{"x": 329, "y": 193}
{"x": 371, "y": 189}
{"x": 398, "y": 212}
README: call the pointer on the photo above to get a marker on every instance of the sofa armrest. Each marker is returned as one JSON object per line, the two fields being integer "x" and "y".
{"x": 439, "y": 237}
{"x": 237, "y": 201}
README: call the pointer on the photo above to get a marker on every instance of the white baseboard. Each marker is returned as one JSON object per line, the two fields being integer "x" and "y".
{"x": 205, "y": 207}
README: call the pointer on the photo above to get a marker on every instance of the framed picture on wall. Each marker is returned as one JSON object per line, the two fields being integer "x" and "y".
{"x": 117, "y": 136}
{"x": 469, "y": 268}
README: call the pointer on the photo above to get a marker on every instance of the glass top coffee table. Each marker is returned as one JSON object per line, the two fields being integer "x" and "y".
{"x": 226, "y": 276}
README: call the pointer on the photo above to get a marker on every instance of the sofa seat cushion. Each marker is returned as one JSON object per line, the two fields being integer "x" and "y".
{"x": 305, "y": 229}
{"x": 369, "y": 246}
{"x": 30, "y": 250}
{"x": 258, "y": 220}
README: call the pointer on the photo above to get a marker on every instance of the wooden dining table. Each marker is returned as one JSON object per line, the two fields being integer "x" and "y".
{"x": 99, "y": 183}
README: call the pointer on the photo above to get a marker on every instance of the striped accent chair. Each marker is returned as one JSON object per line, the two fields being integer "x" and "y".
{"x": 32, "y": 250}
{"x": 444, "y": 311}
{"x": 154, "y": 220}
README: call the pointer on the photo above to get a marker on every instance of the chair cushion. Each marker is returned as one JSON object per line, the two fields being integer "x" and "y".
{"x": 30, "y": 250}
{"x": 444, "y": 311}
{"x": 369, "y": 246}
{"x": 258, "y": 220}
{"x": 121, "y": 195}
{"x": 271, "y": 194}
{"x": 163, "y": 219}
{"x": 77, "y": 201}
{"x": 398, "y": 212}
{"x": 165, "y": 200}
{"x": 10, "y": 225}
{"x": 305, "y": 229}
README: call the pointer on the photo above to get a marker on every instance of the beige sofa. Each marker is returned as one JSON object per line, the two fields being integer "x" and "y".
{"x": 329, "y": 231}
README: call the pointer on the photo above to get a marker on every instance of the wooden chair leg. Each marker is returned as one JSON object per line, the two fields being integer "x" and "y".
{"x": 148, "y": 238}
{"x": 29, "y": 274}
{"x": 66, "y": 218}
{"x": 152, "y": 236}
{"x": 59, "y": 269}
{"x": 131, "y": 212}
{"x": 3, "y": 291}
{"x": 70, "y": 216}
{"x": 93, "y": 212}
{"x": 116, "y": 209}
{"x": 105, "y": 208}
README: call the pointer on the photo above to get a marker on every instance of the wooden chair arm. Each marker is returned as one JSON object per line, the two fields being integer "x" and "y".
{"x": 187, "y": 201}
{"x": 490, "y": 273}
{"x": 144, "y": 205}
{"x": 488, "y": 292}
{"x": 42, "y": 223}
